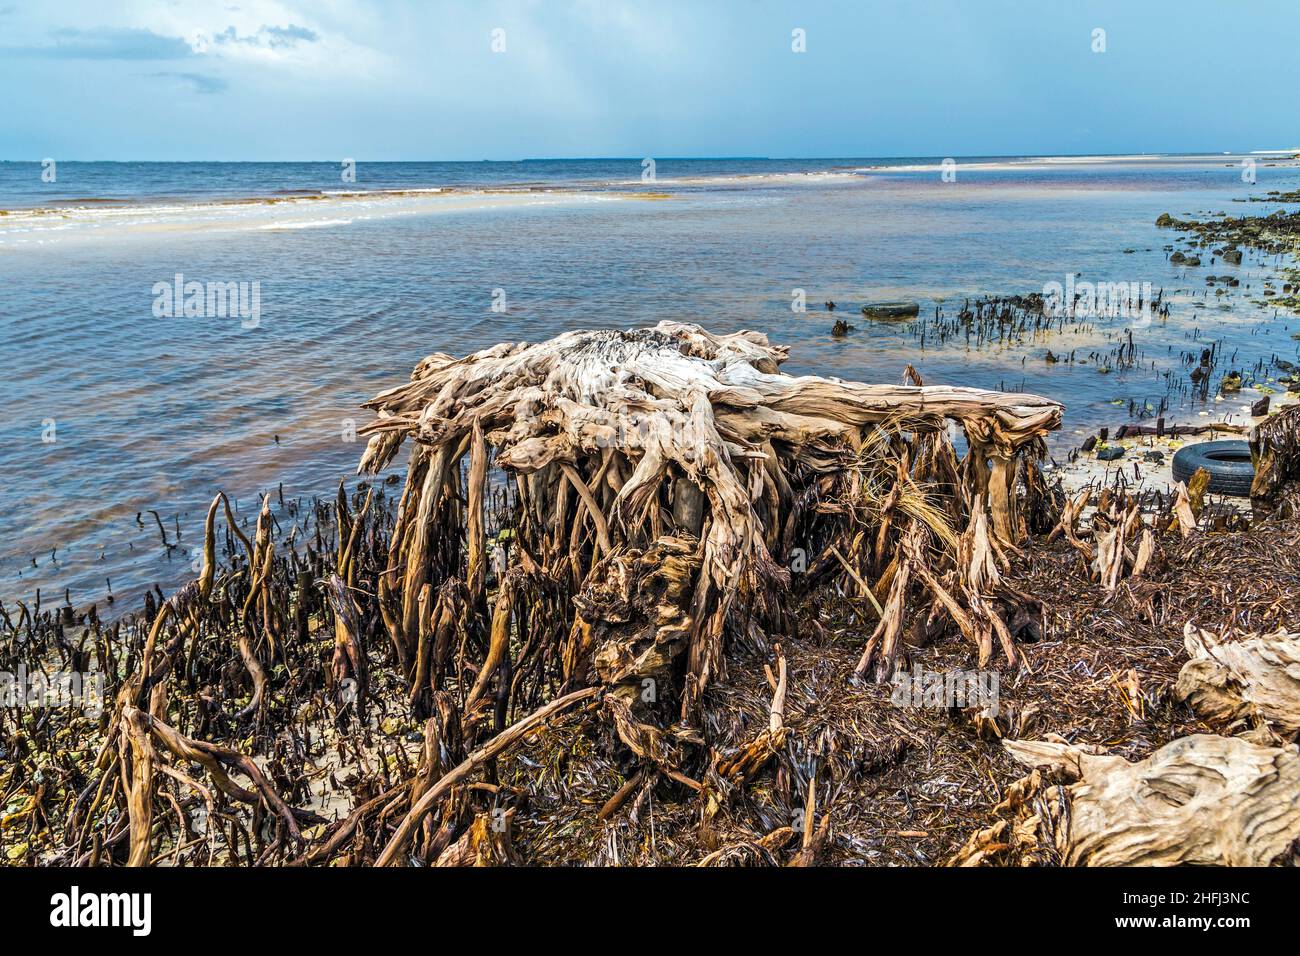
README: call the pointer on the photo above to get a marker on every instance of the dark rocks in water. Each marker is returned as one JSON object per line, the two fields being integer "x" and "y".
{"x": 891, "y": 310}
{"x": 1275, "y": 234}
{"x": 1113, "y": 453}
{"x": 1164, "y": 220}
{"x": 1232, "y": 281}
{"x": 1231, "y": 382}
{"x": 841, "y": 328}
{"x": 1177, "y": 257}
{"x": 1260, "y": 408}
{"x": 1090, "y": 443}
{"x": 1155, "y": 457}
{"x": 1052, "y": 359}
{"x": 1192, "y": 261}
{"x": 830, "y": 306}
{"x": 1199, "y": 373}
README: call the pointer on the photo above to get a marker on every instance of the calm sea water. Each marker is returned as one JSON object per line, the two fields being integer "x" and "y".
{"x": 359, "y": 280}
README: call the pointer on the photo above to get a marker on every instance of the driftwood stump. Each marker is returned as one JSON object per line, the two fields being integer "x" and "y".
{"x": 658, "y": 491}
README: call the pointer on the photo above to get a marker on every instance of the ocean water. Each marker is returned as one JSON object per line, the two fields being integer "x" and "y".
{"x": 113, "y": 410}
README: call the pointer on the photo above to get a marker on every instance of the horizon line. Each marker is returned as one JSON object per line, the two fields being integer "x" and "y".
{"x": 634, "y": 159}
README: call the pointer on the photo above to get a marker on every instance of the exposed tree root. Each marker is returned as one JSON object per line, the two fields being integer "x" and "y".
{"x": 669, "y": 482}
{"x": 1200, "y": 800}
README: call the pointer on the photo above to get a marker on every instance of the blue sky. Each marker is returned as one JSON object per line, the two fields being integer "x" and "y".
{"x": 285, "y": 80}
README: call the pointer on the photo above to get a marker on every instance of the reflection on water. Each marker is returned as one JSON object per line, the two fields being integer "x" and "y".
{"x": 154, "y": 413}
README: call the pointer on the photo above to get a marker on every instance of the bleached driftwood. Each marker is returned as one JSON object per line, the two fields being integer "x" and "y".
{"x": 666, "y": 482}
{"x": 621, "y": 439}
{"x": 1243, "y": 675}
{"x": 1203, "y": 800}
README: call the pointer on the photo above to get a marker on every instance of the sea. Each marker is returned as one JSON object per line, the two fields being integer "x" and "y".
{"x": 120, "y": 402}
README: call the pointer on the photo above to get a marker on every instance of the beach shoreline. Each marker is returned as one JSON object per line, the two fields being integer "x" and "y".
{"x": 247, "y": 378}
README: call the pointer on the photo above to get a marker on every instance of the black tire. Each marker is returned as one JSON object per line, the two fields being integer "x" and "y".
{"x": 1228, "y": 462}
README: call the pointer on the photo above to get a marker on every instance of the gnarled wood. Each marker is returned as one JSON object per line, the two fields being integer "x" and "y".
{"x": 1201, "y": 800}
{"x": 674, "y": 431}
{"x": 1242, "y": 675}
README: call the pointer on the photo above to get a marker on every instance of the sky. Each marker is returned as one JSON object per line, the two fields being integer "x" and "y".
{"x": 518, "y": 79}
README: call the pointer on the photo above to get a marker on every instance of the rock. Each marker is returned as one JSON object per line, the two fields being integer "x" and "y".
{"x": 1164, "y": 220}
{"x": 1155, "y": 457}
{"x": 1232, "y": 256}
{"x": 1177, "y": 258}
{"x": 891, "y": 310}
{"x": 1231, "y": 382}
{"x": 1089, "y": 443}
{"x": 1260, "y": 408}
{"x": 1111, "y": 453}
{"x": 1192, "y": 261}
{"x": 841, "y": 328}
{"x": 830, "y": 306}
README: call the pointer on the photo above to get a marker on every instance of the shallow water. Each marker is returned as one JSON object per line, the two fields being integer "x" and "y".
{"x": 159, "y": 413}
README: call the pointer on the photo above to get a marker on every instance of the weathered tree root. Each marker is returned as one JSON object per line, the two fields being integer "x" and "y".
{"x": 492, "y": 748}
{"x": 645, "y": 440}
{"x": 1240, "y": 676}
{"x": 1275, "y": 449}
{"x": 668, "y": 483}
{"x": 1199, "y": 800}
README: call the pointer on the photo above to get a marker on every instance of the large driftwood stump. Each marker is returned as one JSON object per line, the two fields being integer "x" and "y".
{"x": 620, "y": 439}
{"x": 1243, "y": 675}
{"x": 1202, "y": 800}
{"x": 641, "y": 496}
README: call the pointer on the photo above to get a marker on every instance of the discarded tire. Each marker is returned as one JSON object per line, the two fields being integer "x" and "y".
{"x": 1228, "y": 462}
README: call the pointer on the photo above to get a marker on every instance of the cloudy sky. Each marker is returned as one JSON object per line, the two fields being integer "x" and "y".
{"x": 285, "y": 80}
